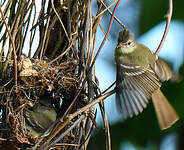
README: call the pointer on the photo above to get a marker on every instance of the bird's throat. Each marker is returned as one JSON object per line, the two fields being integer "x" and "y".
{"x": 127, "y": 50}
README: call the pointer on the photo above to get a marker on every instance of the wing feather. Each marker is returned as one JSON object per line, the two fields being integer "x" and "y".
{"x": 135, "y": 86}
{"x": 136, "y": 95}
{"x": 121, "y": 105}
{"x": 127, "y": 100}
{"x": 162, "y": 69}
{"x": 130, "y": 97}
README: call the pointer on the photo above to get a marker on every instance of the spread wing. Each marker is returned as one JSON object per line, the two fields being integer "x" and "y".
{"x": 162, "y": 70}
{"x": 134, "y": 88}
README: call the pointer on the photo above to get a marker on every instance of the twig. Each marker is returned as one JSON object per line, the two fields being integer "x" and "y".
{"x": 92, "y": 104}
{"x": 14, "y": 51}
{"x": 168, "y": 17}
{"x": 101, "y": 13}
{"x": 84, "y": 143}
{"x": 108, "y": 87}
{"x": 66, "y": 144}
{"x": 114, "y": 16}
{"x": 60, "y": 56}
{"x": 90, "y": 55}
{"x": 44, "y": 38}
{"x": 93, "y": 62}
{"x": 32, "y": 35}
{"x": 25, "y": 24}
{"x": 96, "y": 23}
{"x": 64, "y": 133}
{"x": 75, "y": 114}
{"x": 106, "y": 125}
{"x": 84, "y": 45}
{"x": 40, "y": 22}
{"x": 60, "y": 20}
{"x": 71, "y": 116}
{"x": 46, "y": 133}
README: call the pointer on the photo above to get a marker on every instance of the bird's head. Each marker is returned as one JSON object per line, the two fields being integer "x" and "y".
{"x": 126, "y": 41}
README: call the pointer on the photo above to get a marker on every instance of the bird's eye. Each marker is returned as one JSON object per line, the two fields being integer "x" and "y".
{"x": 129, "y": 43}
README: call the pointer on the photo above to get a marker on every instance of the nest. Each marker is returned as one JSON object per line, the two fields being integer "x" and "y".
{"x": 37, "y": 80}
{"x": 33, "y": 89}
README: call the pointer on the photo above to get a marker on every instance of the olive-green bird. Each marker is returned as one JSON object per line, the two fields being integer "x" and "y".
{"x": 139, "y": 76}
{"x": 40, "y": 117}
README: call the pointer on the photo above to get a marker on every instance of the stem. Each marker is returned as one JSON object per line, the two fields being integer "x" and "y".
{"x": 93, "y": 62}
{"x": 168, "y": 21}
{"x": 71, "y": 116}
{"x": 92, "y": 104}
{"x": 14, "y": 51}
{"x": 114, "y": 16}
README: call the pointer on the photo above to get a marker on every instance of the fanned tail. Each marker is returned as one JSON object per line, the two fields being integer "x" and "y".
{"x": 165, "y": 113}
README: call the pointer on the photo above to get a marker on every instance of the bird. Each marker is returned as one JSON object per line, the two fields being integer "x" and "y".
{"x": 40, "y": 117}
{"x": 139, "y": 77}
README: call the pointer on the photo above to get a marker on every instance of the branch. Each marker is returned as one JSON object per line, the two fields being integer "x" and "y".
{"x": 168, "y": 17}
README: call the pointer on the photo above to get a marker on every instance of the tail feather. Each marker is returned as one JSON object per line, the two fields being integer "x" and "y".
{"x": 165, "y": 113}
